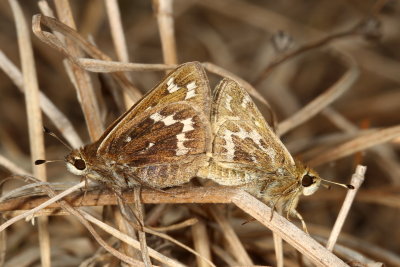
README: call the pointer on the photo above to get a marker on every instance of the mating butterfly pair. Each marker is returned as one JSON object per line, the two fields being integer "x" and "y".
{"x": 172, "y": 135}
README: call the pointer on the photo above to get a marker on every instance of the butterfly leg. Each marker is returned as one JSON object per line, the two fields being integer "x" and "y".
{"x": 85, "y": 189}
{"x": 303, "y": 223}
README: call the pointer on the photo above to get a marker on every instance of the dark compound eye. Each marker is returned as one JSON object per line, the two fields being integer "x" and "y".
{"x": 307, "y": 180}
{"x": 80, "y": 164}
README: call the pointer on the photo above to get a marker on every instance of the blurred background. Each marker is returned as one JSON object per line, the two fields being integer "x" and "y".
{"x": 243, "y": 37}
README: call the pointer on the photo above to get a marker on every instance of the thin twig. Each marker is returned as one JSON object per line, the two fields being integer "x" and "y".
{"x": 356, "y": 180}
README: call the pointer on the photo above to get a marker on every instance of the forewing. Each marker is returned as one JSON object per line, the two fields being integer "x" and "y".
{"x": 187, "y": 83}
{"x": 164, "y": 138}
{"x": 241, "y": 135}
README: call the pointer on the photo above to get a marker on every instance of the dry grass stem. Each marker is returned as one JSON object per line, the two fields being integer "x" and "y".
{"x": 356, "y": 180}
{"x": 141, "y": 233}
{"x": 164, "y": 10}
{"x": 278, "y": 250}
{"x": 97, "y": 65}
{"x": 118, "y": 37}
{"x": 201, "y": 243}
{"x": 34, "y": 114}
{"x": 87, "y": 96}
{"x": 104, "y": 197}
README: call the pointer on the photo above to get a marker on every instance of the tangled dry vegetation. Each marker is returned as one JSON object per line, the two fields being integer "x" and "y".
{"x": 328, "y": 69}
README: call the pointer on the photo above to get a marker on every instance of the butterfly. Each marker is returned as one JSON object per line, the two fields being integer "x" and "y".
{"x": 161, "y": 141}
{"x": 246, "y": 153}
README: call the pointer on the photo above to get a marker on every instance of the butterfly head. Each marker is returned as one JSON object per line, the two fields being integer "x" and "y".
{"x": 76, "y": 163}
{"x": 310, "y": 181}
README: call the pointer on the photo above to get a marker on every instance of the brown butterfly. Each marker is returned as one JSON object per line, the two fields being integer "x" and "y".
{"x": 247, "y": 153}
{"x": 159, "y": 142}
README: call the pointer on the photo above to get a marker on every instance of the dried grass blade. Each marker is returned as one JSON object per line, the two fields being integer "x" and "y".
{"x": 356, "y": 180}
{"x": 201, "y": 243}
{"x": 35, "y": 124}
{"x": 118, "y": 37}
{"x": 164, "y": 11}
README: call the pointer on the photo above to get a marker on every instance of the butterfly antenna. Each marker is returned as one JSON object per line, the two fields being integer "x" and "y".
{"x": 47, "y": 131}
{"x": 348, "y": 186}
{"x": 43, "y": 161}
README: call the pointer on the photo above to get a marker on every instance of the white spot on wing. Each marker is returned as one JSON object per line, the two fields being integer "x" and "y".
{"x": 169, "y": 120}
{"x": 229, "y": 145}
{"x": 128, "y": 139}
{"x": 228, "y": 102}
{"x": 246, "y": 100}
{"x": 191, "y": 92}
{"x": 172, "y": 87}
{"x": 191, "y": 86}
{"x": 187, "y": 125}
{"x": 181, "y": 149}
{"x": 156, "y": 117}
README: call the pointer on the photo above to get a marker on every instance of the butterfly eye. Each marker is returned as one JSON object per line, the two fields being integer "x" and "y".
{"x": 80, "y": 164}
{"x": 307, "y": 180}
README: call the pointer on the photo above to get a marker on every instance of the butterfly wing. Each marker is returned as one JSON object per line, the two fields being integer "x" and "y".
{"x": 241, "y": 134}
{"x": 164, "y": 138}
{"x": 245, "y": 149}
